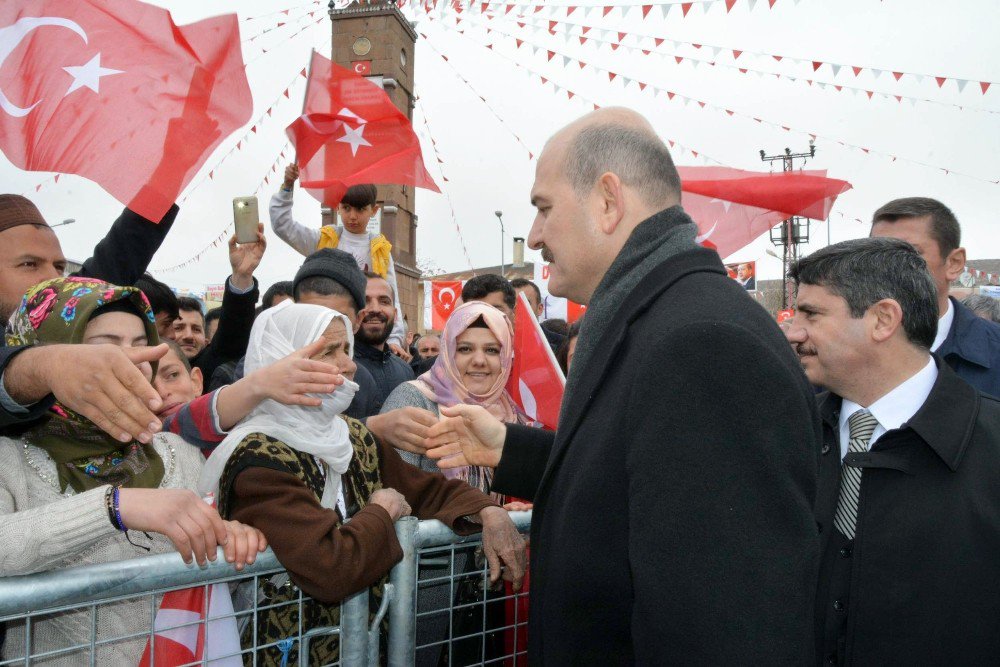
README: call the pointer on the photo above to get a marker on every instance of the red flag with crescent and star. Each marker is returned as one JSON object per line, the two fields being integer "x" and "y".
{"x": 351, "y": 133}
{"x": 732, "y": 207}
{"x": 115, "y": 91}
{"x": 444, "y": 300}
{"x": 536, "y": 382}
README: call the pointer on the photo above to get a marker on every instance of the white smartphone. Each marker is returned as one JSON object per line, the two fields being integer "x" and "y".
{"x": 246, "y": 219}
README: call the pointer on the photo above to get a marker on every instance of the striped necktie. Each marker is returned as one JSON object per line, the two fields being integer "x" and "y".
{"x": 861, "y": 426}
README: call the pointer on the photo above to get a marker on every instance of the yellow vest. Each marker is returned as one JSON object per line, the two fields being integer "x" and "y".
{"x": 380, "y": 248}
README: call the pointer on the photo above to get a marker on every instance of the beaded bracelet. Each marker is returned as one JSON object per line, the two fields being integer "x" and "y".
{"x": 109, "y": 508}
{"x": 118, "y": 514}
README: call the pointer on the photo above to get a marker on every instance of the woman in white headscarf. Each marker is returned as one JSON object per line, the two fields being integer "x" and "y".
{"x": 299, "y": 473}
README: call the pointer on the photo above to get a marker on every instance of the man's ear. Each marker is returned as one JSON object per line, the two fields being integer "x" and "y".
{"x": 375, "y": 209}
{"x": 955, "y": 264}
{"x": 611, "y": 202}
{"x": 888, "y": 319}
{"x": 198, "y": 380}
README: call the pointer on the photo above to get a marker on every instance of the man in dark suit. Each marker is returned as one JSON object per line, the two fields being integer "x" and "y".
{"x": 969, "y": 344}
{"x": 101, "y": 382}
{"x": 911, "y": 518}
{"x": 673, "y": 518}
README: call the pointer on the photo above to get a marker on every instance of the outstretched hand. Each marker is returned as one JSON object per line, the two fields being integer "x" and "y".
{"x": 107, "y": 385}
{"x": 466, "y": 435}
{"x": 291, "y": 380}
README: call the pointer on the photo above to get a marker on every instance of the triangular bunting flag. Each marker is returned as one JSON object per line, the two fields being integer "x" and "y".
{"x": 645, "y": 10}
{"x": 729, "y": 5}
{"x": 686, "y": 7}
{"x": 857, "y": 70}
{"x": 940, "y": 80}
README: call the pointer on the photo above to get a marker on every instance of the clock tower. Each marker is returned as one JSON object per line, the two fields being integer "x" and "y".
{"x": 375, "y": 39}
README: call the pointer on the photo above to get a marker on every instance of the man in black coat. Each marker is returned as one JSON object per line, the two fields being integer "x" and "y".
{"x": 911, "y": 518}
{"x": 969, "y": 344}
{"x": 673, "y": 519}
{"x": 102, "y": 382}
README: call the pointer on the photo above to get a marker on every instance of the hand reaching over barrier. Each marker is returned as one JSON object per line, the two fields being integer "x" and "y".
{"x": 466, "y": 435}
{"x": 504, "y": 547}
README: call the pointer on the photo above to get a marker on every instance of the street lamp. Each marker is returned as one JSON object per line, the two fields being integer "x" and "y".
{"x": 499, "y": 215}
{"x": 67, "y": 221}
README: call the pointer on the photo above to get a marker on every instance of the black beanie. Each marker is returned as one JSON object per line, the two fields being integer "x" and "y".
{"x": 340, "y": 267}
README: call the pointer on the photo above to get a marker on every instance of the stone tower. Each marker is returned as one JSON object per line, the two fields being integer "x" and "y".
{"x": 375, "y": 40}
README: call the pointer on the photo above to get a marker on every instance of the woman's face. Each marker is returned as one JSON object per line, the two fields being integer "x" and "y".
{"x": 122, "y": 329}
{"x": 337, "y": 351}
{"x": 477, "y": 356}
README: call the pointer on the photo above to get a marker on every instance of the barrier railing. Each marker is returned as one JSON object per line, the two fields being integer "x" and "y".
{"x": 443, "y": 610}
{"x": 438, "y": 604}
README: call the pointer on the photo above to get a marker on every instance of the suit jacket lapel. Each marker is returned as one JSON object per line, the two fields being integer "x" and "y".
{"x": 592, "y": 375}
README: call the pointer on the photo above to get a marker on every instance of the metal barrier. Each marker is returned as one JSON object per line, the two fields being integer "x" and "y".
{"x": 440, "y": 566}
{"x": 88, "y": 608}
{"x": 107, "y": 613}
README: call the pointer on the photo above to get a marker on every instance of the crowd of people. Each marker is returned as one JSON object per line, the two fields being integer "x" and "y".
{"x": 720, "y": 490}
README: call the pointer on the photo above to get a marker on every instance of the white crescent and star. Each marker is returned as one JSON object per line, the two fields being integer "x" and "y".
{"x": 449, "y": 290}
{"x": 703, "y": 237}
{"x": 353, "y": 135}
{"x": 87, "y": 75}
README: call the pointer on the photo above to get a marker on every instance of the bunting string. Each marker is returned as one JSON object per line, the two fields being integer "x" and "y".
{"x": 445, "y": 190}
{"x": 506, "y": 126}
{"x": 570, "y": 94}
{"x": 651, "y": 45}
{"x": 683, "y": 99}
{"x": 666, "y": 6}
{"x": 279, "y": 12}
{"x": 288, "y": 23}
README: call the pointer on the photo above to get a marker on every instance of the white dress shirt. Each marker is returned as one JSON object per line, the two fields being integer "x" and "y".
{"x": 944, "y": 326}
{"x": 893, "y": 409}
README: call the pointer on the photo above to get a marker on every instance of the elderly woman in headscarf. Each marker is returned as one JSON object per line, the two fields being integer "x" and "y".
{"x": 300, "y": 473}
{"x": 69, "y": 492}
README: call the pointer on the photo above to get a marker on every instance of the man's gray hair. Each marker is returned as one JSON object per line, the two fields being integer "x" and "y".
{"x": 984, "y": 306}
{"x": 865, "y": 271}
{"x": 637, "y": 157}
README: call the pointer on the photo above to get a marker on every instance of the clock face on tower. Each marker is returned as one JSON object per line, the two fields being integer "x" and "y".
{"x": 361, "y": 46}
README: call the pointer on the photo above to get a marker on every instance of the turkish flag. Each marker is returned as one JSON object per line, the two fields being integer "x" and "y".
{"x": 536, "y": 382}
{"x": 444, "y": 299}
{"x": 362, "y": 67}
{"x": 183, "y": 636}
{"x": 733, "y": 207}
{"x": 115, "y": 91}
{"x": 351, "y": 133}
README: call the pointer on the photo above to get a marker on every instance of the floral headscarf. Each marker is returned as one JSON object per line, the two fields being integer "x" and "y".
{"x": 58, "y": 311}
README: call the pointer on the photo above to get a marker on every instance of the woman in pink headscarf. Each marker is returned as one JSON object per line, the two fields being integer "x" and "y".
{"x": 473, "y": 368}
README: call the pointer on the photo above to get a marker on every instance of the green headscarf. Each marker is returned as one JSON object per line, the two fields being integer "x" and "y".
{"x": 58, "y": 311}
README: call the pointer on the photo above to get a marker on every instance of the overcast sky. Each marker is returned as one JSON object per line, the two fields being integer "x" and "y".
{"x": 484, "y": 146}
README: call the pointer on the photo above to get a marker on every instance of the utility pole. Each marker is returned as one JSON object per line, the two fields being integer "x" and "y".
{"x": 793, "y": 231}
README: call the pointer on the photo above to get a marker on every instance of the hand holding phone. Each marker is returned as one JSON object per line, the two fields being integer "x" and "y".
{"x": 246, "y": 219}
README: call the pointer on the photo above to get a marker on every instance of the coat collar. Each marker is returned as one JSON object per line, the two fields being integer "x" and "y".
{"x": 632, "y": 308}
{"x": 969, "y": 337}
{"x": 945, "y": 422}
